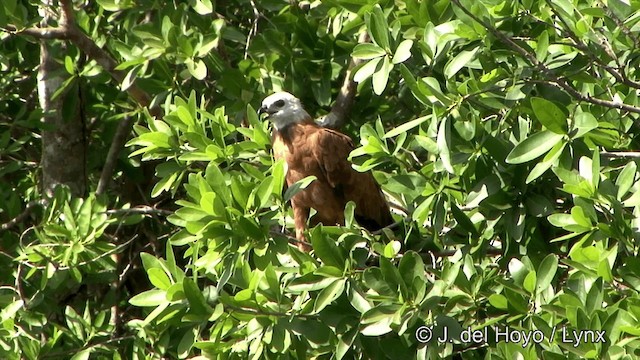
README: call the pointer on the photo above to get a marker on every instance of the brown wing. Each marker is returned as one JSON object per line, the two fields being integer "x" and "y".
{"x": 331, "y": 150}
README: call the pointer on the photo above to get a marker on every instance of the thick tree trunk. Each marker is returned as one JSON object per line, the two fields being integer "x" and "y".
{"x": 63, "y": 142}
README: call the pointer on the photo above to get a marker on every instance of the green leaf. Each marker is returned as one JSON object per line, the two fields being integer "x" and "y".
{"x": 377, "y": 321}
{"x": 203, "y": 7}
{"x": 378, "y": 28}
{"x": 546, "y": 272}
{"x": 326, "y": 249}
{"x": 550, "y": 115}
{"x": 498, "y": 301}
{"x": 403, "y": 52}
{"x": 83, "y": 354}
{"x": 567, "y": 222}
{"x": 278, "y": 172}
{"x": 130, "y": 78}
{"x": 357, "y": 298}
{"x": 583, "y": 123}
{"x": 263, "y": 192}
{"x": 309, "y": 282}
{"x": 620, "y": 8}
{"x": 458, "y": 62}
{"x": 413, "y": 85}
{"x": 626, "y": 178}
{"x": 159, "y": 278}
{"x": 533, "y": 146}
{"x": 595, "y": 168}
{"x": 112, "y": 5}
{"x": 443, "y": 140}
{"x": 165, "y": 184}
{"x": 84, "y": 216}
{"x": 68, "y": 64}
{"x": 406, "y": 127}
{"x": 381, "y": 77}
{"x": 197, "y": 302}
{"x": 153, "y": 297}
{"x": 150, "y": 262}
{"x": 345, "y": 343}
{"x": 349, "y": 211}
{"x": 548, "y": 161}
{"x": 197, "y": 68}
{"x": 392, "y": 249}
{"x": 185, "y": 344}
{"x": 542, "y": 46}
{"x": 367, "y": 51}
{"x": 366, "y": 70}
{"x": 529, "y": 283}
{"x": 297, "y": 187}
{"x": 578, "y": 215}
{"x": 328, "y": 295}
{"x": 412, "y": 269}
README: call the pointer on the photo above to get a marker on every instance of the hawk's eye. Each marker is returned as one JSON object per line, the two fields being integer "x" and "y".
{"x": 280, "y": 103}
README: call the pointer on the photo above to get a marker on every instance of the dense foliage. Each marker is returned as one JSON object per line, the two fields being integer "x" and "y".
{"x": 503, "y": 133}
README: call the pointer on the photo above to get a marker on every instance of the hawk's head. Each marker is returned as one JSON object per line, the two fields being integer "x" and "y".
{"x": 283, "y": 109}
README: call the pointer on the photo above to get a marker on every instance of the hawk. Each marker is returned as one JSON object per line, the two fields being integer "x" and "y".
{"x": 311, "y": 150}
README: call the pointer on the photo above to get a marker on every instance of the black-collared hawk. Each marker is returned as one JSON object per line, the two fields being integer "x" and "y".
{"x": 311, "y": 150}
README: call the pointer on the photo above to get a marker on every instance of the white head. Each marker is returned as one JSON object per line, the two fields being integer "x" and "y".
{"x": 283, "y": 109}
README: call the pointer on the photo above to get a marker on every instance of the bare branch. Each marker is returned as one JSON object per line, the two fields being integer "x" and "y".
{"x": 491, "y": 251}
{"x": 66, "y": 15}
{"x": 27, "y": 210}
{"x": 621, "y": 155}
{"x": 254, "y": 28}
{"x": 119, "y": 139}
{"x": 40, "y": 33}
{"x": 395, "y": 225}
{"x": 146, "y": 210}
{"x": 289, "y": 237}
{"x": 336, "y": 118}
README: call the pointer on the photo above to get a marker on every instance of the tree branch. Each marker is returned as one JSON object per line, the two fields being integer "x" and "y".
{"x": 117, "y": 144}
{"x": 617, "y": 73}
{"x": 621, "y": 155}
{"x": 288, "y": 237}
{"x": 557, "y": 81}
{"x": 340, "y": 110}
{"x": 46, "y": 33}
{"x": 68, "y": 30}
{"x": 66, "y": 15}
{"x": 27, "y": 210}
{"x": 145, "y": 210}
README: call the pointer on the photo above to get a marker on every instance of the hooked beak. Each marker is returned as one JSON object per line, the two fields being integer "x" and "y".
{"x": 263, "y": 110}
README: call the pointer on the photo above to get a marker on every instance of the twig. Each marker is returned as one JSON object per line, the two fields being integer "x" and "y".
{"x": 617, "y": 73}
{"x": 557, "y": 81}
{"x": 27, "y": 210}
{"x": 254, "y": 28}
{"x": 263, "y": 313}
{"x": 289, "y": 237}
{"x": 621, "y": 25}
{"x": 68, "y": 30}
{"x": 143, "y": 209}
{"x": 446, "y": 253}
{"x": 117, "y": 144}
{"x": 395, "y": 225}
{"x": 336, "y": 118}
{"x": 621, "y": 155}
{"x": 398, "y": 207}
{"x": 83, "y": 263}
